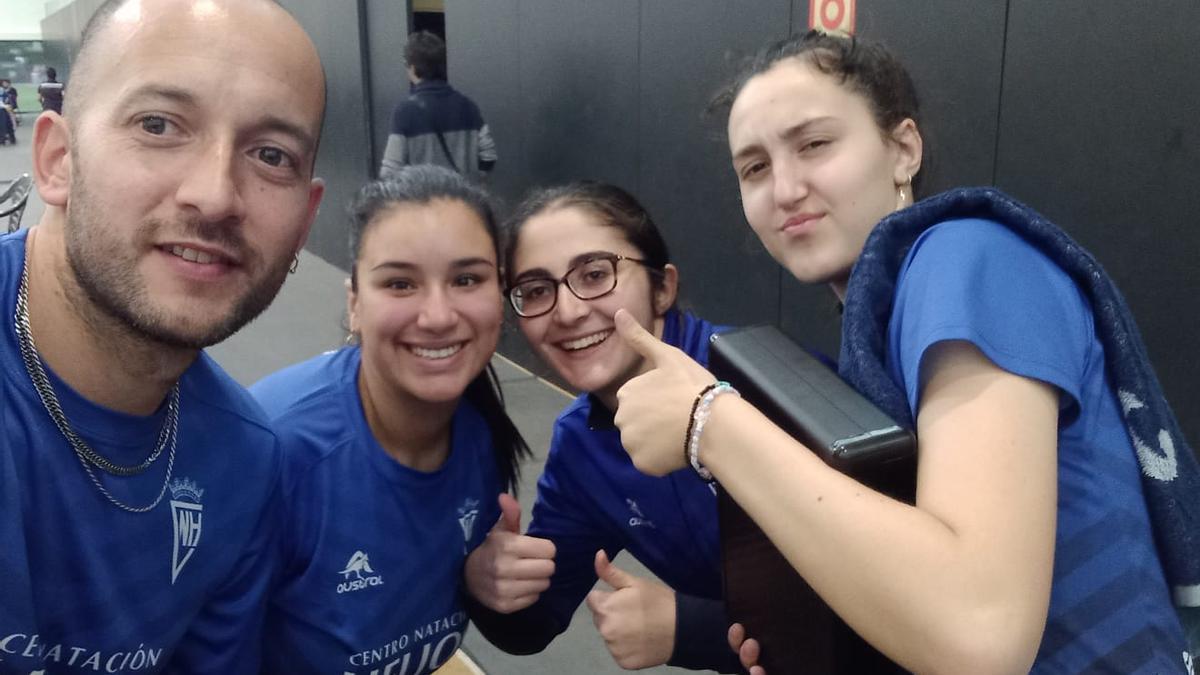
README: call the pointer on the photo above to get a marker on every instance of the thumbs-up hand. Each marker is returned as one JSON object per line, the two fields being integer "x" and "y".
{"x": 636, "y": 618}
{"x": 653, "y": 408}
{"x": 509, "y": 570}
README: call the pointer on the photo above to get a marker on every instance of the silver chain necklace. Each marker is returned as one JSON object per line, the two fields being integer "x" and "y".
{"x": 87, "y": 456}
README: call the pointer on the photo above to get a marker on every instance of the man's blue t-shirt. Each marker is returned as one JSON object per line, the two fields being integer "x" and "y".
{"x": 88, "y": 587}
{"x": 370, "y": 559}
{"x": 977, "y": 281}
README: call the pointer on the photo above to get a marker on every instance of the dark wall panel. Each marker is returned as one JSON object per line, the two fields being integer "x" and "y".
{"x": 345, "y": 160}
{"x": 689, "y": 49}
{"x": 954, "y": 51}
{"x": 386, "y": 29}
{"x": 483, "y": 43}
{"x": 1101, "y": 136}
{"x": 579, "y": 89}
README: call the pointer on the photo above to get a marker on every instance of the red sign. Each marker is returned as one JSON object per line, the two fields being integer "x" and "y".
{"x": 832, "y": 16}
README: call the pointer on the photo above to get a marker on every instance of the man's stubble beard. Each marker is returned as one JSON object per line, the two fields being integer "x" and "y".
{"x": 106, "y": 271}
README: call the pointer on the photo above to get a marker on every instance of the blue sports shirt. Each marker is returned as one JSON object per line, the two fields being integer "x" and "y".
{"x": 87, "y": 587}
{"x": 370, "y": 560}
{"x": 975, "y": 280}
{"x": 590, "y": 496}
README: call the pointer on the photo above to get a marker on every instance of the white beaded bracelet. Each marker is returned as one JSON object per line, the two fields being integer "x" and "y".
{"x": 700, "y": 415}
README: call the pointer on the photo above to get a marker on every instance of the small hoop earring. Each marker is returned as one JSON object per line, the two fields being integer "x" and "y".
{"x": 902, "y": 194}
{"x": 351, "y": 338}
{"x": 295, "y": 264}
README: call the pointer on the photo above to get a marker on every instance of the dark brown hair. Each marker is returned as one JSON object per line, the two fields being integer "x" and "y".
{"x": 612, "y": 205}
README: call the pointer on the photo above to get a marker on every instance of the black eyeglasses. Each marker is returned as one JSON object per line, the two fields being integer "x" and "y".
{"x": 593, "y": 278}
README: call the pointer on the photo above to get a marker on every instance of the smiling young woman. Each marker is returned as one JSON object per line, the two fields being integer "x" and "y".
{"x": 1037, "y": 541}
{"x": 575, "y": 254}
{"x": 396, "y": 447}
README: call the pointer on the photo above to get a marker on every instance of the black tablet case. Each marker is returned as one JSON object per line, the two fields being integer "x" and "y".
{"x": 798, "y": 632}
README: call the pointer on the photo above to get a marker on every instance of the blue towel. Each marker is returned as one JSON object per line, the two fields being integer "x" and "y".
{"x": 1170, "y": 472}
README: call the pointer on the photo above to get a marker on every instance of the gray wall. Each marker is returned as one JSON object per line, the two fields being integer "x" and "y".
{"x": 1100, "y": 136}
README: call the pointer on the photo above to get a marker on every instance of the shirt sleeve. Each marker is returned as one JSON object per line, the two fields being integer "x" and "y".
{"x": 487, "y": 149}
{"x": 395, "y": 155}
{"x": 702, "y": 636}
{"x": 979, "y": 282}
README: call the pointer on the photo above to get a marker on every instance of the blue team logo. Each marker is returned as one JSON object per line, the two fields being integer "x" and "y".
{"x": 467, "y": 513}
{"x": 186, "y": 513}
{"x": 358, "y": 565}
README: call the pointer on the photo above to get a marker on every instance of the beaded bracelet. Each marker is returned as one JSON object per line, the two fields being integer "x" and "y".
{"x": 701, "y": 409}
{"x": 687, "y": 435}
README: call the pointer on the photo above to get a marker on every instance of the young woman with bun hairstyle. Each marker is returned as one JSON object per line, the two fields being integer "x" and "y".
{"x": 1056, "y": 501}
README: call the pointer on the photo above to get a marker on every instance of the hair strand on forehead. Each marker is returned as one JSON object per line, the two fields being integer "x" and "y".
{"x": 418, "y": 184}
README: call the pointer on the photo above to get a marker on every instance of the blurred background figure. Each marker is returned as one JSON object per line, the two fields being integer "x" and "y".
{"x": 50, "y": 92}
{"x": 8, "y": 123}
{"x": 436, "y": 124}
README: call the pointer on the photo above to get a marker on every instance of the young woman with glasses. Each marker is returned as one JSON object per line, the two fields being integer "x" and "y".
{"x": 396, "y": 445}
{"x": 1056, "y": 500}
{"x": 574, "y": 255}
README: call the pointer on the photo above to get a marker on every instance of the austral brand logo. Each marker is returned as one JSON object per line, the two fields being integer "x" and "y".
{"x": 357, "y": 566}
{"x": 639, "y": 519}
{"x": 467, "y": 513}
{"x": 186, "y": 513}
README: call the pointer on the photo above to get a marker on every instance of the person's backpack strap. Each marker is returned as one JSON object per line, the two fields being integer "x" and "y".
{"x": 441, "y": 138}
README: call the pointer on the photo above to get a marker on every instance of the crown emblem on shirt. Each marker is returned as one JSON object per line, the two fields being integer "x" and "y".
{"x": 187, "y": 520}
{"x": 184, "y": 487}
{"x": 467, "y": 513}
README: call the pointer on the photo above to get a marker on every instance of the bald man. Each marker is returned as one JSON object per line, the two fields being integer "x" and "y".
{"x": 137, "y": 480}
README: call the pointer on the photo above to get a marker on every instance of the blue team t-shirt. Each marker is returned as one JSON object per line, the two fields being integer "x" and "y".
{"x": 975, "y": 280}
{"x": 370, "y": 559}
{"x": 88, "y": 587}
{"x": 590, "y": 496}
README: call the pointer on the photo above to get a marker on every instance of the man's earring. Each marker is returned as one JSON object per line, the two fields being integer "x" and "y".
{"x": 295, "y": 264}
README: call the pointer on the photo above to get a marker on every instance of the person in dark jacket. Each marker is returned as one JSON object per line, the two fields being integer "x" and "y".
{"x": 51, "y": 92}
{"x": 8, "y": 110}
{"x": 436, "y": 124}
